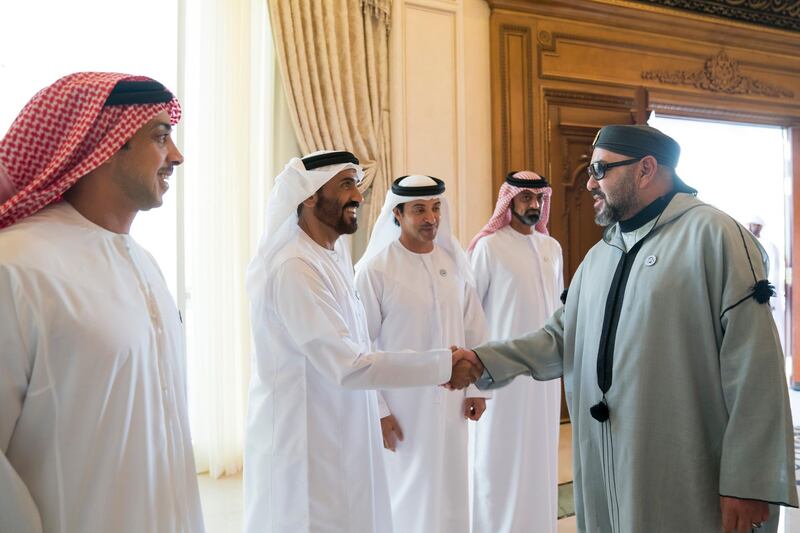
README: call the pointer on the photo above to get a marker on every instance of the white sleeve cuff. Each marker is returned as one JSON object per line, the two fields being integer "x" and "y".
{"x": 383, "y": 407}
{"x": 445, "y": 366}
{"x": 474, "y": 392}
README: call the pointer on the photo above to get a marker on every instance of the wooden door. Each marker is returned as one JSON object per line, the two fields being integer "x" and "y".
{"x": 572, "y": 122}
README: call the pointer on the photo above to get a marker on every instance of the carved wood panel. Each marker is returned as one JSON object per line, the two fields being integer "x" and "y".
{"x": 719, "y": 74}
{"x": 572, "y": 120}
{"x": 514, "y": 95}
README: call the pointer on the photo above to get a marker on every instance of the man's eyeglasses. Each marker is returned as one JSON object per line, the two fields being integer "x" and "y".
{"x": 597, "y": 170}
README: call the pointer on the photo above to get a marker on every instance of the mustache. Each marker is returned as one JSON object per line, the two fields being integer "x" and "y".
{"x": 598, "y": 194}
{"x": 351, "y": 204}
{"x": 533, "y": 212}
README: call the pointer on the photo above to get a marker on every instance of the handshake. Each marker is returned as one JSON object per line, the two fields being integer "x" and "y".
{"x": 467, "y": 368}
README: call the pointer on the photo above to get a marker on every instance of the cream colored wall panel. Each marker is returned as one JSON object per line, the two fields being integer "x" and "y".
{"x": 441, "y": 5}
{"x": 430, "y": 93}
{"x": 477, "y": 194}
{"x": 429, "y": 80}
{"x": 440, "y": 92}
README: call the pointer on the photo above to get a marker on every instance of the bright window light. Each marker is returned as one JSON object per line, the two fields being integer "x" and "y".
{"x": 738, "y": 168}
{"x": 743, "y": 170}
{"x": 43, "y": 40}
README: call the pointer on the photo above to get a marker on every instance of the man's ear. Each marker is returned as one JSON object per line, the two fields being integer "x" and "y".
{"x": 648, "y": 169}
{"x": 311, "y": 201}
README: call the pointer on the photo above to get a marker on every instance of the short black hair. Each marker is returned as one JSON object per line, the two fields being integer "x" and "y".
{"x": 400, "y": 208}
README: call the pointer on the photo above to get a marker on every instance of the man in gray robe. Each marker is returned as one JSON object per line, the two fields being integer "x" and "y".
{"x": 672, "y": 364}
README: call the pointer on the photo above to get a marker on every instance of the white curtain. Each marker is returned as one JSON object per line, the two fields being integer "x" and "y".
{"x": 235, "y": 128}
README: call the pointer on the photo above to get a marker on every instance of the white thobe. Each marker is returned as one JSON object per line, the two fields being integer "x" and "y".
{"x": 519, "y": 280}
{"x": 418, "y": 302}
{"x": 94, "y": 431}
{"x": 313, "y": 460}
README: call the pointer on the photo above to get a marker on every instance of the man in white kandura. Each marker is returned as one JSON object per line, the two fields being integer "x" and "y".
{"x": 756, "y": 224}
{"x": 313, "y": 459}
{"x": 518, "y": 272}
{"x": 94, "y": 433}
{"x": 419, "y": 293}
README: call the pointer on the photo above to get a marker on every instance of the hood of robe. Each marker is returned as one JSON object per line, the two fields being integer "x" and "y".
{"x": 683, "y": 202}
{"x": 685, "y": 198}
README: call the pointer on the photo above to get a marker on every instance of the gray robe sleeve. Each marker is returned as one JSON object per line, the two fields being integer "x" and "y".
{"x": 538, "y": 354}
{"x": 757, "y": 460}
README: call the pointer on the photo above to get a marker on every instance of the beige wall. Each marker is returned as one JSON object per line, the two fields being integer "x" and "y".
{"x": 440, "y": 99}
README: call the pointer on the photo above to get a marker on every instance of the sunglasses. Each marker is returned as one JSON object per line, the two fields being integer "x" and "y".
{"x": 597, "y": 170}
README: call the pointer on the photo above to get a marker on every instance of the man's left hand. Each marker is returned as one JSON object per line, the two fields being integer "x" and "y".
{"x": 741, "y": 516}
{"x": 474, "y": 408}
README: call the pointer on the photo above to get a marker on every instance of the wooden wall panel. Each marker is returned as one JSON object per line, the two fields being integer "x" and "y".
{"x": 431, "y": 98}
{"x": 572, "y": 120}
{"x": 643, "y": 60}
{"x": 515, "y": 94}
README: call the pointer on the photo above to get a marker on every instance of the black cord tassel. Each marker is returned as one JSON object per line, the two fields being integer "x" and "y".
{"x": 564, "y": 296}
{"x": 600, "y": 411}
{"x": 763, "y": 290}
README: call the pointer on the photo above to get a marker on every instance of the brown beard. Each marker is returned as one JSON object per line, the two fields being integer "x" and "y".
{"x": 624, "y": 198}
{"x": 332, "y": 214}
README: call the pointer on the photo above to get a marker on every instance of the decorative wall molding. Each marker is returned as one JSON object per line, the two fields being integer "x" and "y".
{"x": 561, "y": 96}
{"x": 781, "y": 14}
{"x": 732, "y": 114}
{"x": 545, "y": 39}
{"x": 720, "y": 74}
{"x": 523, "y": 33}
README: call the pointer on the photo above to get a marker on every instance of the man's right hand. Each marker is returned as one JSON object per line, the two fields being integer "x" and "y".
{"x": 463, "y": 375}
{"x": 467, "y": 369}
{"x": 741, "y": 515}
{"x": 391, "y": 432}
{"x": 464, "y": 354}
